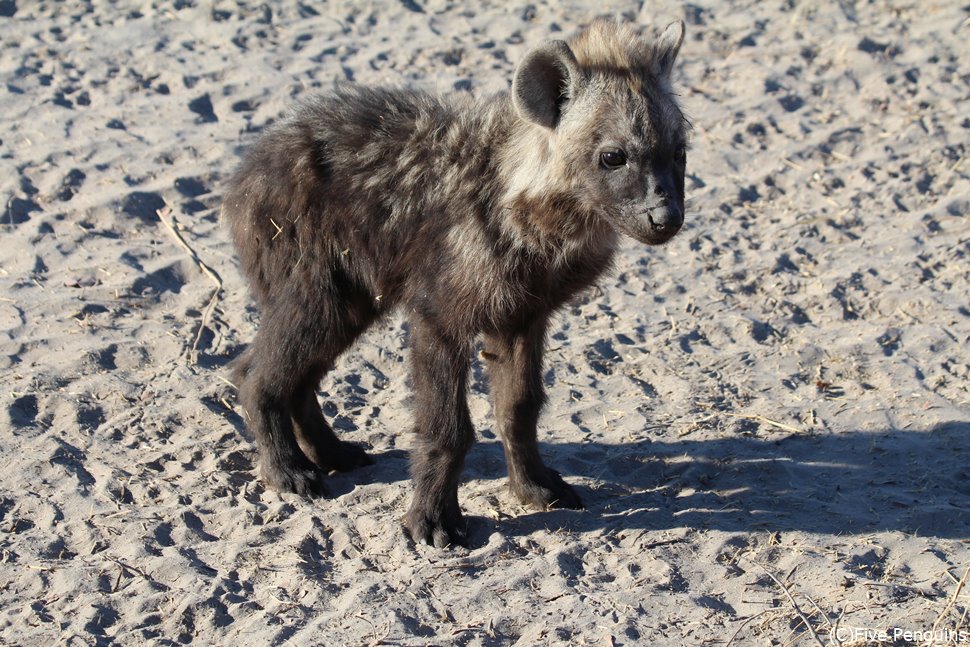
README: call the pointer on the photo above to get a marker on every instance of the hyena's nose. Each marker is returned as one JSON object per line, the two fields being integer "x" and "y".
{"x": 667, "y": 219}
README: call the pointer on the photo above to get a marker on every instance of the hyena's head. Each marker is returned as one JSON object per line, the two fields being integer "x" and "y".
{"x": 617, "y": 140}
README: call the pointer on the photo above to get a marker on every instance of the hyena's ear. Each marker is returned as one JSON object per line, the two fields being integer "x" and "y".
{"x": 666, "y": 48}
{"x": 543, "y": 82}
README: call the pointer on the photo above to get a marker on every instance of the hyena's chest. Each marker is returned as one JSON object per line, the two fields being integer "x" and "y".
{"x": 487, "y": 286}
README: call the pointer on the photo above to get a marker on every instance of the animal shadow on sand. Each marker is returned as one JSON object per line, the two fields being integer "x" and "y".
{"x": 850, "y": 482}
{"x": 915, "y": 481}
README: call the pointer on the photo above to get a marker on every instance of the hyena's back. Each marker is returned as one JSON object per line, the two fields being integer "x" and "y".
{"x": 385, "y": 173}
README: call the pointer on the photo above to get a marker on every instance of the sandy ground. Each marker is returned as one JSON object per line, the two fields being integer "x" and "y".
{"x": 768, "y": 418}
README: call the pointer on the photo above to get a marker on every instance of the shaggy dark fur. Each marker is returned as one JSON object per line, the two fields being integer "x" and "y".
{"x": 479, "y": 218}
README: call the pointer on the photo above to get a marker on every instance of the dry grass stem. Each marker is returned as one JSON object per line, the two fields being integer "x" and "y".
{"x": 170, "y": 225}
{"x": 952, "y": 602}
{"x": 794, "y": 604}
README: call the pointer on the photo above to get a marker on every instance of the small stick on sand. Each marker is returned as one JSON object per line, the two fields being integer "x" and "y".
{"x": 952, "y": 601}
{"x": 163, "y": 216}
{"x": 745, "y": 624}
{"x": 226, "y": 381}
{"x": 767, "y": 421}
{"x": 755, "y": 417}
{"x": 820, "y": 613}
{"x": 791, "y": 598}
{"x": 835, "y": 628}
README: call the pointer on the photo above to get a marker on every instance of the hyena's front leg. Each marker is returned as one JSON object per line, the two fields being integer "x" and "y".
{"x": 444, "y": 435}
{"x": 515, "y": 369}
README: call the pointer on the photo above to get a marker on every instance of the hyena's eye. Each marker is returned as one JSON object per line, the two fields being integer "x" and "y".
{"x": 680, "y": 155}
{"x": 613, "y": 159}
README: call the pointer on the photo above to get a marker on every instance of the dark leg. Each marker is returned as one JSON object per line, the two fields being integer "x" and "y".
{"x": 316, "y": 437}
{"x": 298, "y": 334}
{"x": 515, "y": 370}
{"x": 279, "y": 354}
{"x": 444, "y": 435}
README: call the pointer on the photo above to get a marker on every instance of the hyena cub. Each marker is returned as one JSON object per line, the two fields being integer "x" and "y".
{"x": 480, "y": 218}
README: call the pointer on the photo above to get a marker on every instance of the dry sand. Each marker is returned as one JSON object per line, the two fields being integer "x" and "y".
{"x": 768, "y": 418}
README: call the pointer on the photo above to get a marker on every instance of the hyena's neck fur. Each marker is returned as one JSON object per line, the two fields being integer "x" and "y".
{"x": 538, "y": 204}
{"x": 536, "y": 247}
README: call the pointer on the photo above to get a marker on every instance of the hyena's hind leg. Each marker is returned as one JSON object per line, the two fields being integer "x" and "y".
{"x": 515, "y": 371}
{"x": 299, "y": 333}
{"x": 352, "y": 312}
{"x": 316, "y": 437}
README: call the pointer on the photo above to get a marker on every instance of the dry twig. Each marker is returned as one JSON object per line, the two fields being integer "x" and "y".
{"x": 752, "y": 416}
{"x": 163, "y": 216}
{"x": 791, "y": 599}
{"x": 952, "y": 601}
{"x": 745, "y": 624}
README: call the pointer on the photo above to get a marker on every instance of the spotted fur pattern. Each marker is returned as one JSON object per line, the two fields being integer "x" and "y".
{"x": 478, "y": 218}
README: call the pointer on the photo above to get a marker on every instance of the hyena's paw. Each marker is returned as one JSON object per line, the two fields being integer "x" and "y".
{"x": 436, "y": 527}
{"x": 302, "y": 478}
{"x": 546, "y": 489}
{"x": 346, "y": 456}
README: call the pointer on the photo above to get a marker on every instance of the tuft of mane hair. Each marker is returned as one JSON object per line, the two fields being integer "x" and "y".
{"x": 609, "y": 45}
